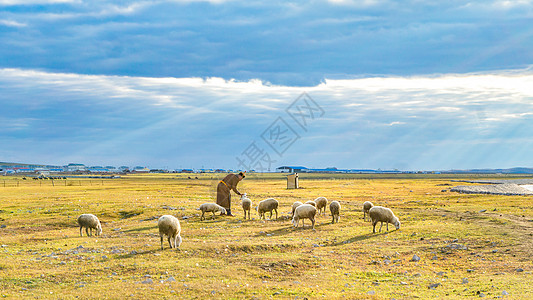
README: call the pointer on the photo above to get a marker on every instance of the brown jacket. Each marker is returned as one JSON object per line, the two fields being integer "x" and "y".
{"x": 223, "y": 190}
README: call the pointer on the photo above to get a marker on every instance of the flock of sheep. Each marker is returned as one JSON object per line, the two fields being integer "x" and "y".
{"x": 170, "y": 226}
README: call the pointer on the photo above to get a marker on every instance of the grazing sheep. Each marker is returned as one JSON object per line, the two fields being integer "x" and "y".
{"x": 170, "y": 226}
{"x": 294, "y": 206}
{"x": 383, "y": 214}
{"x": 366, "y": 207}
{"x": 90, "y": 222}
{"x": 211, "y": 207}
{"x": 269, "y": 204}
{"x": 311, "y": 202}
{"x": 304, "y": 211}
{"x": 335, "y": 208}
{"x": 246, "y": 205}
{"x": 321, "y": 203}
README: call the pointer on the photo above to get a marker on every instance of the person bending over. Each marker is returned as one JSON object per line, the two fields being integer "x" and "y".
{"x": 223, "y": 190}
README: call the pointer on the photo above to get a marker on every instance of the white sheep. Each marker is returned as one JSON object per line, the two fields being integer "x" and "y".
{"x": 212, "y": 208}
{"x": 321, "y": 203}
{"x": 383, "y": 214}
{"x": 267, "y": 205}
{"x": 367, "y": 205}
{"x": 246, "y": 205}
{"x": 90, "y": 222}
{"x": 335, "y": 208}
{"x": 170, "y": 226}
{"x": 311, "y": 202}
{"x": 294, "y": 206}
{"x": 304, "y": 211}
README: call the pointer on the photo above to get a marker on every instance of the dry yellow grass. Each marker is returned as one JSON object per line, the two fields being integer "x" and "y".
{"x": 43, "y": 255}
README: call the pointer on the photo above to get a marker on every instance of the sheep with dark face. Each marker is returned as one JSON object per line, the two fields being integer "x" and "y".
{"x": 335, "y": 208}
{"x": 383, "y": 214}
{"x": 90, "y": 222}
{"x": 170, "y": 226}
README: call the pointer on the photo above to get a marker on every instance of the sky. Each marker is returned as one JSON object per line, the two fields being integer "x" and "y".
{"x": 409, "y": 85}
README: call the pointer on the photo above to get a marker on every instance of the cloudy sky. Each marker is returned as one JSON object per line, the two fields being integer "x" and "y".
{"x": 412, "y": 85}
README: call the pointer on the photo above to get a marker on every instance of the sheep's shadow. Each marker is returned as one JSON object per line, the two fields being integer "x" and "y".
{"x": 277, "y": 232}
{"x": 148, "y": 251}
{"x": 355, "y": 239}
{"x": 291, "y": 229}
{"x": 136, "y": 253}
{"x": 138, "y": 229}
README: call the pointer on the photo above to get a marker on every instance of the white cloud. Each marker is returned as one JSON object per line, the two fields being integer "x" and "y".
{"x": 396, "y": 123}
{"x": 10, "y": 23}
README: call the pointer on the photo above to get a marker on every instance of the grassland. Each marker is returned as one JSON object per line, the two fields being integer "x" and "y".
{"x": 469, "y": 245}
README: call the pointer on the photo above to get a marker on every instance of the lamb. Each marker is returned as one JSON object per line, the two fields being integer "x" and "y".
{"x": 321, "y": 203}
{"x": 294, "y": 206}
{"x": 335, "y": 208}
{"x": 269, "y": 204}
{"x": 304, "y": 211}
{"x": 366, "y": 207}
{"x": 311, "y": 202}
{"x": 90, "y": 222}
{"x": 383, "y": 214}
{"x": 246, "y": 205}
{"x": 170, "y": 226}
{"x": 211, "y": 207}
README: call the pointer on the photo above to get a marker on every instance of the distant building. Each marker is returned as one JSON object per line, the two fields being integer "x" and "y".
{"x": 99, "y": 170}
{"x": 124, "y": 169}
{"x": 291, "y": 169}
{"x": 111, "y": 169}
{"x": 76, "y": 167}
{"x": 139, "y": 169}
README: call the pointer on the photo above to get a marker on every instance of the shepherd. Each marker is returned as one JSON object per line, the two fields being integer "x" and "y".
{"x": 223, "y": 190}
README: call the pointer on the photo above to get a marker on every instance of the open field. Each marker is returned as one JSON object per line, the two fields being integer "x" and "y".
{"x": 469, "y": 245}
